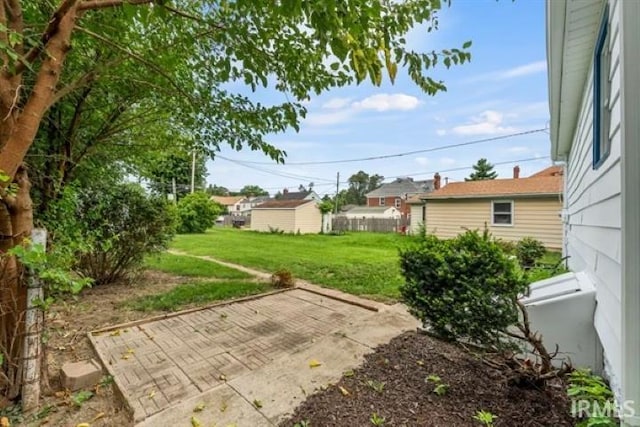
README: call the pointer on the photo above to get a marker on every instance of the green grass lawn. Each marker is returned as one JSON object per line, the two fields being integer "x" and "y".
{"x": 197, "y": 293}
{"x": 358, "y": 263}
{"x": 192, "y": 267}
{"x": 208, "y": 281}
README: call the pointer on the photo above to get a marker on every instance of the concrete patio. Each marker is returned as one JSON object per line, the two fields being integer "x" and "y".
{"x": 244, "y": 363}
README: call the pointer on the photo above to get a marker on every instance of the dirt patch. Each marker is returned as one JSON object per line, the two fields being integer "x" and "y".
{"x": 392, "y": 383}
{"x": 67, "y": 326}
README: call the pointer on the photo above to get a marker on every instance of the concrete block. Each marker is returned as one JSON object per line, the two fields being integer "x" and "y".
{"x": 78, "y": 375}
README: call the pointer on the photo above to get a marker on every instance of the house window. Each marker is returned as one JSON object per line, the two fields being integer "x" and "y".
{"x": 601, "y": 90}
{"x": 381, "y": 201}
{"x": 398, "y": 202}
{"x": 502, "y": 213}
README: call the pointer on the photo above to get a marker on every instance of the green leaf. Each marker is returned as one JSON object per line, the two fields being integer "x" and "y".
{"x": 466, "y": 45}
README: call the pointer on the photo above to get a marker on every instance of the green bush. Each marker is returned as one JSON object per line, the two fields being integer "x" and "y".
{"x": 464, "y": 288}
{"x": 118, "y": 225}
{"x": 197, "y": 212}
{"x": 529, "y": 251}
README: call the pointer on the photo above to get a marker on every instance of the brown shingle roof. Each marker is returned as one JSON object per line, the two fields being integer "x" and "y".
{"x": 550, "y": 171}
{"x": 283, "y": 204}
{"x": 532, "y": 186}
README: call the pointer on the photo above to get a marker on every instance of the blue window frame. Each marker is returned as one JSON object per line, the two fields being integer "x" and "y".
{"x": 601, "y": 89}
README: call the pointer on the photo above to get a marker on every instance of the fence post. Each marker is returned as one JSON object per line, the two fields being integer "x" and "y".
{"x": 34, "y": 321}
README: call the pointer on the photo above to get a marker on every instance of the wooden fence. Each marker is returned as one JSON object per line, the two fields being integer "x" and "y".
{"x": 375, "y": 225}
{"x": 237, "y": 220}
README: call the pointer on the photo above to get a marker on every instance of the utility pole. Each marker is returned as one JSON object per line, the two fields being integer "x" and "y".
{"x": 337, "y": 191}
{"x": 193, "y": 172}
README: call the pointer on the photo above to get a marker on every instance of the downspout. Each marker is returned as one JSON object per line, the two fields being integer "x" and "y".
{"x": 629, "y": 12}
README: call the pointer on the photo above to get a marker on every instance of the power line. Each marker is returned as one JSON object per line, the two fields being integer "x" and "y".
{"x": 406, "y": 153}
{"x": 281, "y": 174}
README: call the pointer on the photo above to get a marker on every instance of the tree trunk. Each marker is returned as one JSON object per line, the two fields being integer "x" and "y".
{"x": 16, "y": 223}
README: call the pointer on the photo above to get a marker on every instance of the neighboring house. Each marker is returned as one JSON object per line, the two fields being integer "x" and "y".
{"x": 299, "y": 195}
{"x": 232, "y": 203}
{"x": 290, "y": 216}
{"x": 593, "y": 55}
{"x": 510, "y": 208}
{"x": 372, "y": 212}
{"x": 249, "y": 203}
{"x": 397, "y": 192}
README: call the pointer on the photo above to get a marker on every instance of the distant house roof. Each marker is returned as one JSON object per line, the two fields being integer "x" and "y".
{"x": 401, "y": 187}
{"x": 369, "y": 210}
{"x": 545, "y": 182}
{"x": 283, "y": 204}
{"x": 227, "y": 200}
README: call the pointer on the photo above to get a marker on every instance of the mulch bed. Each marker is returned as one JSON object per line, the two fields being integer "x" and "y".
{"x": 407, "y": 399}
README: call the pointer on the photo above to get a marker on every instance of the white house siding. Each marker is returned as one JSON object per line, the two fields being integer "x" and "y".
{"x": 593, "y": 207}
{"x": 267, "y": 219}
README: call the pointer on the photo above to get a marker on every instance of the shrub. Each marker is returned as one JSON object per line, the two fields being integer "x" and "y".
{"x": 463, "y": 288}
{"x": 119, "y": 224}
{"x": 197, "y": 213}
{"x": 528, "y": 251}
{"x": 282, "y": 279}
{"x": 507, "y": 246}
{"x": 467, "y": 289}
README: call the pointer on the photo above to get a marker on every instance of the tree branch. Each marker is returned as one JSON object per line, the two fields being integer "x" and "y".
{"x": 49, "y": 32}
{"x": 138, "y": 58}
{"x": 104, "y": 4}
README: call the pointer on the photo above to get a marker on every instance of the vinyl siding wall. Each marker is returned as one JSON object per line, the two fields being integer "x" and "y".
{"x": 593, "y": 206}
{"x": 534, "y": 217}
{"x": 282, "y": 219}
{"x": 305, "y": 219}
{"x": 416, "y": 218}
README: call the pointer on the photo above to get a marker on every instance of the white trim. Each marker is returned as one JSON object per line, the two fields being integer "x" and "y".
{"x": 630, "y": 158}
{"x": 381, "y": 201}
{"x": 397, "y": 203}
{"x": 493, "y": 223}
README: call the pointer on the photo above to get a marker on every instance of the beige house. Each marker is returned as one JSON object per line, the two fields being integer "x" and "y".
{"x": 510, "y": 208}
{"x": 231, "y": 203}
{"x": 290, "y": 216}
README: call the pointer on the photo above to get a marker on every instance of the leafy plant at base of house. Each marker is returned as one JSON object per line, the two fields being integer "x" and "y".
{"x": 529, "y": 251}
{"x": 197, "y": 213}
{"x": 467, "y": 289}
{"x": 592, "y": 400}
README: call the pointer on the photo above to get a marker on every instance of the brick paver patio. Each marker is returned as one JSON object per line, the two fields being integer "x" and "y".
{"x": 160, "y": 363}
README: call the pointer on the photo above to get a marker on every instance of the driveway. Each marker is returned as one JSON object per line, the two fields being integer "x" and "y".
{"x": 244, "y": 363}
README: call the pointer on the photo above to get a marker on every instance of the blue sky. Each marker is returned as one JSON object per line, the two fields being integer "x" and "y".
{"x": 502, "y": 91}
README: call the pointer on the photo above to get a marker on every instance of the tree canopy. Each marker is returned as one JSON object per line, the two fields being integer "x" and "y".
{"x": 481, "y": 171}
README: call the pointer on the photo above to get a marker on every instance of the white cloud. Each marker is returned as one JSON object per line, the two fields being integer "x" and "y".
{"x": 518, "y": 149}
{"x": 336, "y": 103}
{"x": 323, "y": 119}
{"x": 447, "y": 161}
{"x": 511, "y": 73}
{"x": 524, "y": 70}
{"x": 422, "y": 161}
{"x": 489, "y": 122}
{"x": 387, "y": 102}
{"x": 441, "y": 132}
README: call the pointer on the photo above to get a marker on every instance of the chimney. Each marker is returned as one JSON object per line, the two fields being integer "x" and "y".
{"x": 516, "y": 172}
{"x": 446, "y": 180}
{"x": 436, "y": 181}
{"x": 285, "y": 191}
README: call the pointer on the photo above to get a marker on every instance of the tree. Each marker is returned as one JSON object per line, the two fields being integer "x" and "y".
{"x": 216, "y": 190}
{"x": 482, "y": 170}
{"x": 189, "y": 50}
{"x": 169, "y": 166}
{"x": 253, "y": 191}
{"x": 360, "y": 184}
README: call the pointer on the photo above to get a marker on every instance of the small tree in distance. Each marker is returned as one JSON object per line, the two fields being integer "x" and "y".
{"x": 482, "y": 170}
